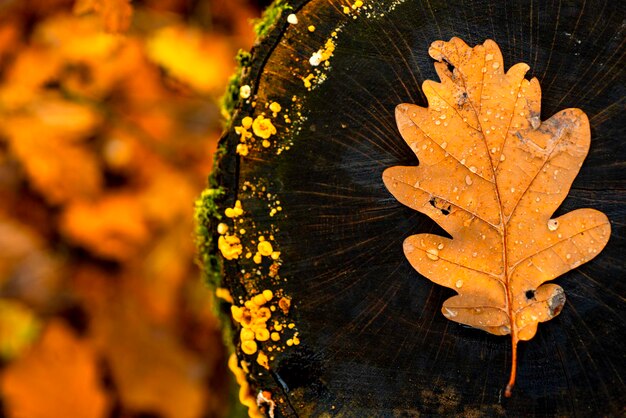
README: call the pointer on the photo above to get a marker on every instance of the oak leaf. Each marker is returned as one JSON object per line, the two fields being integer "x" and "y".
{"x": 491, "y": 174}
{"x": 58, "y": 377}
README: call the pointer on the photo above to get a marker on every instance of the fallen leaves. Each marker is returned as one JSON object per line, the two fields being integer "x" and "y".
{"x": 99, "y": 226}
{"x": 59, "y": 357}
{"x": 192, "y": 57}
{"x": 51, "y": 159}
{"x": 491, "y": 173}
{"x": 145, "y": 360}
{"x": 103, "y": 149}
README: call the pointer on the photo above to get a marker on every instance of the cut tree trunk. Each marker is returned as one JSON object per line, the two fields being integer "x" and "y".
{"x": 371, "y": 339}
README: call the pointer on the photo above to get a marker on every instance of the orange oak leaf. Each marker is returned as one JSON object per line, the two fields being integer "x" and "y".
{"x": 58, "y": 377}
{"x": 491, "y": 174}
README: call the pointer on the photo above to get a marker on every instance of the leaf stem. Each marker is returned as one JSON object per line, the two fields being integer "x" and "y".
{"x": 509, "y": 386}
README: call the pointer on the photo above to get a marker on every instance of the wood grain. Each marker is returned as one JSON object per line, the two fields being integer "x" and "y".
{"x": 374, "y": 342}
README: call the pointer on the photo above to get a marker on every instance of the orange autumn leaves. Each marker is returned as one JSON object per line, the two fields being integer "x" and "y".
{"x": 491, "y": 173}
{"x": 104, "y": 145}
{"x": 61, "y": 356}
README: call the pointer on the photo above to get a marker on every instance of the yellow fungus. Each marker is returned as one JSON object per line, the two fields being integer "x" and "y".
{"x": 268, "y": 295}
{"x": 263, "y": 314}
{"x": 266, "y": 143}
{"x": 244, "y": 366}
{"x": 246, "y": 122}
{"x": 236, "y": 312}
{"x": 275, "y": 255}
{"x": 291, "y": 326}
{"x": 231, "y": 239}
{"x": 246, "y": 334}
{"x": 311, "y": 28}
{"x": 277, "y": 326}
{"x": 265, "y": 248}
{"x": 224, "y": 294}
{"x": 248, "y": 346}
{"x": 263, "y": 360}
{"x": 284, "y": 304}
{"x": 263, "y": 127}
{"x": 244, "y": 91}
{"x": 323, "y": 54}
{"x": 262, "y": 334}
{"x": 290, "y": 342}
{"x": 235, "y": 211}
{"x": 257, "y": 258}
{"x": 259, "y": 299}
{"x": 275, "y": 107}
{"x": 243, "y": 133}
{"x": 307, "y": 80}
{"x": 346, "y": 10}
{"x": 245, "y": 395}
{"x": 242, "y": 149}
{"x": 273, "y": 270}
{"x": 229, "y": 246}
{"x": 222, "y": 228}
{"x": 275, "y": 336}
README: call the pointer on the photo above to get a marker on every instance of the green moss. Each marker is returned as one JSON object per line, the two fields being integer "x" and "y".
{"x": 243, "y": 58}
{"x": 231, "y": 95}
{"x": 207, "y": 215}
{"x": 264, "y": 24}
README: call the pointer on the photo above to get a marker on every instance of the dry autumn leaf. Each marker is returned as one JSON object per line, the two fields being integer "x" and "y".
{"x": 58, "y": 377}
{"x": 492, "y": 174}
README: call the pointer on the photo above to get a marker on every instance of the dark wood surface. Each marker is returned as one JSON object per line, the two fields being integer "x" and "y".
{"x": 374, "y": 342}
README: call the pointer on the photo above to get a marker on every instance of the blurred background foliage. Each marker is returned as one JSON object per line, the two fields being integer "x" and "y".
{"x": 109, "y": 117}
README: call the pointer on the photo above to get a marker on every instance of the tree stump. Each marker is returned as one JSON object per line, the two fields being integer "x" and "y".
{"x": 353, "y": 330}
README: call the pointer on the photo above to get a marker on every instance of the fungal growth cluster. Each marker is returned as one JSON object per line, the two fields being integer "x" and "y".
{"x": 263, "y": 127}
{"x": 270, "y": 126}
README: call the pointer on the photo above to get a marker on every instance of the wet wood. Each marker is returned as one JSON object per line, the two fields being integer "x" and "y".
{"x": 373, "y": 339}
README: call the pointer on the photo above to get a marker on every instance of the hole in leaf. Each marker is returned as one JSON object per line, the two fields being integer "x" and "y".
{"x": 450, "y": 66}
{"x": 530, "y": 294}
{"x": 440, "y": 205}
